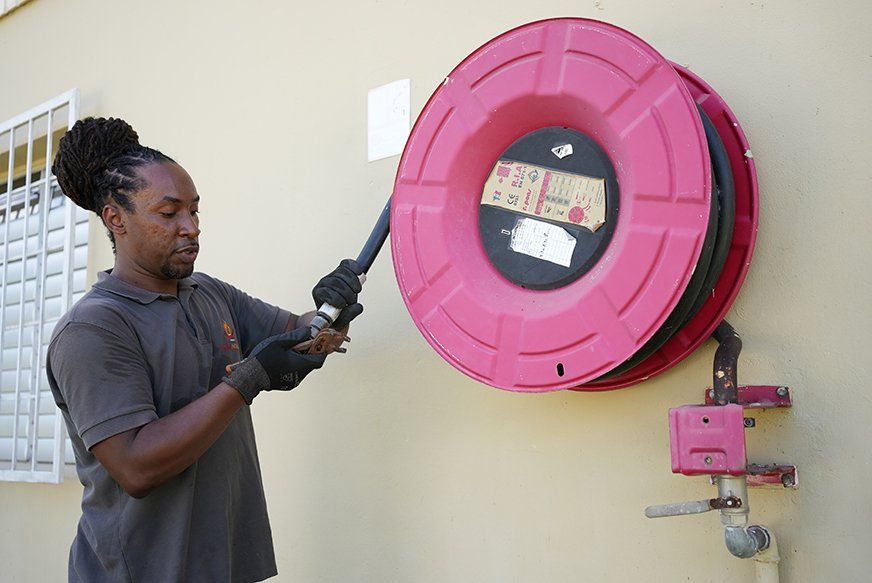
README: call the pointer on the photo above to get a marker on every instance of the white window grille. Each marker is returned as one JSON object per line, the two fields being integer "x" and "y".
{"x": 7, "y": 6}
{"x": 44, "y": 253}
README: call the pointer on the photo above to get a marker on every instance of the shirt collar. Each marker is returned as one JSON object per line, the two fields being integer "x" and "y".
{"x": 108, "y": 282}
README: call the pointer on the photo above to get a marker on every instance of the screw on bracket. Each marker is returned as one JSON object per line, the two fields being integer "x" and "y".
{"x": 781, "y": 391}
{"x": 749, "y": 422}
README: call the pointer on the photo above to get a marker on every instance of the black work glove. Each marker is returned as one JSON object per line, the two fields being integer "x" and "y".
{"x": 273, "y": 365}
{"x": 339, "y": 288}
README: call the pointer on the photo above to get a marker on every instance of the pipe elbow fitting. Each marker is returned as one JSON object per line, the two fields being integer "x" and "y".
{"x": 746, "y": 542}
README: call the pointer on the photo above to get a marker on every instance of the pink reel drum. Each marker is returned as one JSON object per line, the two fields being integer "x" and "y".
{"x": 552, "y": 205}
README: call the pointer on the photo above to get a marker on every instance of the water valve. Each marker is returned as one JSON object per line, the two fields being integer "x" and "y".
{"x": 709, "y": 439}
{"x": 694, "y": 507}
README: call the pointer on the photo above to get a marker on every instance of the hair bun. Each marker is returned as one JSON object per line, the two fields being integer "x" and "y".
{"x": 85, "y": 152}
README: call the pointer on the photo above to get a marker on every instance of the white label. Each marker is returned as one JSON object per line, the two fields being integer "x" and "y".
{"x": 387, "y": 116}
{"x": 542, "y": 241}
{"x": 562, "y": 151}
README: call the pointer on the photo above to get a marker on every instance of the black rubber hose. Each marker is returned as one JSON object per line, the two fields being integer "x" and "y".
{"x": 716, "y": 247}
{"x": 366, "y": 258}
{"x": 376, "y": 238}
{"x": 727, "y": 211}
{"x": 726, "y": 366}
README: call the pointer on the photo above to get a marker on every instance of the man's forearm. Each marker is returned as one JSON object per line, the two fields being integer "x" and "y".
{"x": 296, "y": 321}
{"x": 142, "y": 459}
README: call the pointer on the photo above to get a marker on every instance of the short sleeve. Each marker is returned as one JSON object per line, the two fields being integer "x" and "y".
{"x": 103, "y": 380}
{"x": 255, "y": 318}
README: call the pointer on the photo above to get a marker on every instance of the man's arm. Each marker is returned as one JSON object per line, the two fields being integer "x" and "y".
{"x": 296, "y": 321}
{"x": 142, "y": 459}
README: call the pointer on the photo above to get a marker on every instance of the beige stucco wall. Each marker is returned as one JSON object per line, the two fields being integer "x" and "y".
{"x": 391, "y": 466}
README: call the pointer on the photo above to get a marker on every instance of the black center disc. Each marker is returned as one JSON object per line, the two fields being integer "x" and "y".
{"x": 495, "y": 224}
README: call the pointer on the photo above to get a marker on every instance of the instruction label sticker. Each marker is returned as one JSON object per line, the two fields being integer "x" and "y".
{"x": 547, "y": 194}
{"x": 542, "y": 241}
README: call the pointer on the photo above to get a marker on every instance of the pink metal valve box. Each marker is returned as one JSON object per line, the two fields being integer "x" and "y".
{"x": 707, "y": 440}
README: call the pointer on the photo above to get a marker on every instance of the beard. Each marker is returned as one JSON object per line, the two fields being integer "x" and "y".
{"x": 172, "y": 272}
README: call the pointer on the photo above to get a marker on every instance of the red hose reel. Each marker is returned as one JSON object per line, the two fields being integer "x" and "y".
{"x": 560, "y": 212}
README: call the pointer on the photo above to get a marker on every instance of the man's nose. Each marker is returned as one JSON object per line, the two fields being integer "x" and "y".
{"x": 189, "y": 227}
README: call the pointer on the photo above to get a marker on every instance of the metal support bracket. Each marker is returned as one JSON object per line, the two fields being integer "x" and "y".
{"x": 758, "y": 397}
{"x": 769, "y": 476}
{"x": 772, "y": 476}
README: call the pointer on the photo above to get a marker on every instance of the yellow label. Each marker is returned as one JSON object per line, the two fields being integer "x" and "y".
{"x": 547, "y": 194}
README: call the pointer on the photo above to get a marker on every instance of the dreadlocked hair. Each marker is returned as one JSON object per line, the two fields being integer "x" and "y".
{"x": 97, "y": 160}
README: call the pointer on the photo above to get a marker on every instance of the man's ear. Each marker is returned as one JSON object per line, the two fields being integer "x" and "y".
{"x": 113, "y": 217}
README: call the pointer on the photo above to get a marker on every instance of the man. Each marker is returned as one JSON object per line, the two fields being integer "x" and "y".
{"x": 162, "y": 434}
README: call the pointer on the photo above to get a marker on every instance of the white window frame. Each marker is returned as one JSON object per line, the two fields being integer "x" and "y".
{"x": 26, "y": 402}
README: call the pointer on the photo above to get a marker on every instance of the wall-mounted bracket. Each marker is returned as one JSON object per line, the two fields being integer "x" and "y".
{"x": 772, "y": 476}
{"x": 758, "y": 397}
{"x": 769, "y": 476}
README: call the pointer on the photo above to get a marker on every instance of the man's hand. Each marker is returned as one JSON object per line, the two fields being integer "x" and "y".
{"x": 273, "y": 365}
{"x": 339, "y": 288}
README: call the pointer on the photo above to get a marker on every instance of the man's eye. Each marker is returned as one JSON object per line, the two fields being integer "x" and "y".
{"x": 168, "y": 215}
{"x": 195, "y": 212}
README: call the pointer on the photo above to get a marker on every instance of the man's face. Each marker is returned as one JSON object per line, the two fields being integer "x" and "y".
{"x": 161, "y": 234}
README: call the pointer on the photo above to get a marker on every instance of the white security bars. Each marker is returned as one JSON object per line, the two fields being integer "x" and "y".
{"x": 43, "y": 260}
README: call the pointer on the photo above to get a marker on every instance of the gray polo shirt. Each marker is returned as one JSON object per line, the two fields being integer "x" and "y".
{"x": 124, "y": 356}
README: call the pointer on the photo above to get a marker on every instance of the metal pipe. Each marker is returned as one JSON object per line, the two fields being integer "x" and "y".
{"x": 734, "y": 487}
{"x": 726, "y": 365}
{"x": 743, "y": 542}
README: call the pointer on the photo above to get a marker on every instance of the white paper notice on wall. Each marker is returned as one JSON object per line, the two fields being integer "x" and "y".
{"x": 543, "y": 241}
{"x": 387, "y": 115}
